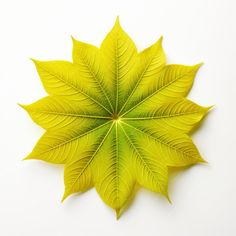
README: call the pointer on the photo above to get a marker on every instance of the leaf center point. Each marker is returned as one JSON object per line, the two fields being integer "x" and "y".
{"x": 115, "y": 117}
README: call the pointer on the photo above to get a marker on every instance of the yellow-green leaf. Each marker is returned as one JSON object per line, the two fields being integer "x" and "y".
{"x": 119, "y": 53}
{"x": 116, "y": 118}
{"x": 61, "y": 111}
{"x": 181, "y": 115}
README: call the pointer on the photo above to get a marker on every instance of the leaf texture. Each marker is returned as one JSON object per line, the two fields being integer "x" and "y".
{"x": 116, "y": 117}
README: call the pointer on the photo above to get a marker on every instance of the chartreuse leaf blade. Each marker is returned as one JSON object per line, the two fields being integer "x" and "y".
{"x": 119, "y": 53}
{"x": 67, "y": 79}
{"x": 115, "y": 117}
{"x": 58, "y": 146}
{"x": 173, "y": 149}
{"x": 89, "y": 59}
{"x": 150, "y": 172}
{"x": 78, "y": 170}
{"x": 172, "y": 82}
{"x": 59, "y": 112}
{"x": 115, "y": 177}
{"x": 149, "y": 64}
{"x": 180, "y": 115}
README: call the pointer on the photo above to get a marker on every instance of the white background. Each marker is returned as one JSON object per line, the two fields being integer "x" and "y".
{"x": 204, "y": 197}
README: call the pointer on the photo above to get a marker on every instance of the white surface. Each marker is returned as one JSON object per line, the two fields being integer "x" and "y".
{"x": 204, "y": 197}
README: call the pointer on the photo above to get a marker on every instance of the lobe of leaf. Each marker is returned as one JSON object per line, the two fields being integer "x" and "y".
{"x": 116, "y": 117}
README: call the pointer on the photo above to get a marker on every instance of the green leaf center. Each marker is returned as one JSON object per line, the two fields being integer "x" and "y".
{"x": 115, "y": 117}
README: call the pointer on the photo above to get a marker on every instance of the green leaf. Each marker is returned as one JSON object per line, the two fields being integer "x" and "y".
{"x": 115, "y": 117}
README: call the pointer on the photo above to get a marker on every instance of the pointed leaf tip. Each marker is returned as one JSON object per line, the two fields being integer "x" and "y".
{"x": 21, "y": 105}
{"x": 117, "y": 25}
{"x": 202, "y": 161}
{"x": 65, "y": 195}
{"x": 159, "y": 42}
{"x": 160, "y": 39}
{"x": 168, "y": 198}
{"x": 27, "y": 158}
{"x": 209, "y": 108}
{"x": 73, "y": 39}
{"x": 117, "y": 214}
{"x": 117, "y": 20}
{"x": 33, "y": 60}
{"x": 36, "y": 62}
{"x": 199, "y": 65}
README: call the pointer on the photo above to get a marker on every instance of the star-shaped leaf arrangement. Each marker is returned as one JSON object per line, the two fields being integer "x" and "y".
{"x": 115, "y": 117}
